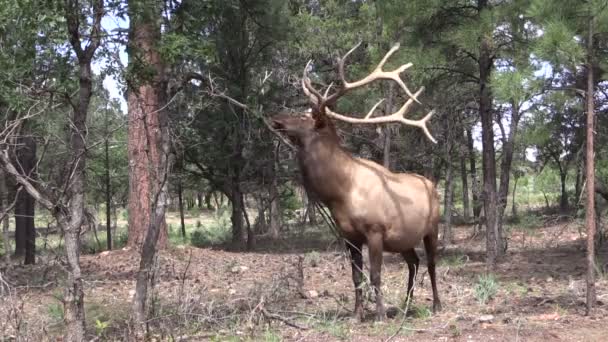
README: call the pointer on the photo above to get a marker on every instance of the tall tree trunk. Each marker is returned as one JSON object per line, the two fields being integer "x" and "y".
{"x": 148, "y": 149}
{"x": 513, "y": 204}
{"x": 207, "y": 199}
{"x": 579, "y": 180}
{"x": 4, "y": 209}
{"x": 590, "y": 166}
{"x": 237, "y": 216}
{"x": 73, "y": 299}
{"x": 506, "y": 164}
{"x": 199, "y": 199}
{"x": 275, "y": 210}
{"x": 448, "y": 202}
{"x": 25, "y": 206}
{"x": 25, "y": 155}
{"x": 475, "y": 188}
{"x": 180, "y": 202}
{"x": 146, "y": 96}
{"x": 563, "y": 199}
{"x": 108, "y": 189}
{"x": 465, "y": 189}
{"x": 493, "y": 234}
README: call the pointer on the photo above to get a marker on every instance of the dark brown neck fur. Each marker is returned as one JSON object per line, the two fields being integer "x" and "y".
{"x": 325, "y": 165}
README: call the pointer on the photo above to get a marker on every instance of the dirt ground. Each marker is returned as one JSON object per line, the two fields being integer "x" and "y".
{"x": 300, "y": 289}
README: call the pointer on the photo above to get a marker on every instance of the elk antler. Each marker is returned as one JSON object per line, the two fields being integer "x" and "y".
{"x": 322, "y": 101}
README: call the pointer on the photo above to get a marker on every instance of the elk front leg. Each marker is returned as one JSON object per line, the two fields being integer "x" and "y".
{"x": 375, "y": 246}
{"x": 356, "y": 262}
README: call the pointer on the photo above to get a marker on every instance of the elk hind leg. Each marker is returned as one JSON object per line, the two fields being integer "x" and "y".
{"x": 412, "y": 260}
{"x": 430, "y": 246}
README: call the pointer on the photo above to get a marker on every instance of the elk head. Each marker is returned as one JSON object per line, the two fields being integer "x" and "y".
{"x": 317, "y": 122}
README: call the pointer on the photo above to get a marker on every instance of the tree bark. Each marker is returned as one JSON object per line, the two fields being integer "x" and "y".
{"x": 513, "y": 204}
{"x": 579, "y": 180}
{"x": 506, "y": 163}
{"x": 475, "y": 188}
{"x": 108, "y": 189}
{"x": 493, "y": 234}
{"x": 73, "y": 300}
{"x": 448, "y": 202}
{"x": 25, "y": 230}
{"x": 563, "y": 199}
{"x": 150, "y": 160}
{"x": 4, "y": 209}
{"x": 465, "y": 189}
{"x": 146, "y": 96}
{"x": 590, "y": 167}
{"x": 275, "y": 210}
{"x": 180, "y": 202}
{"x": 237, "y": 216}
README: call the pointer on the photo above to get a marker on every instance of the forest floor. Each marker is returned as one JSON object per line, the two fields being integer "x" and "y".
{"x": 300, "y": 289}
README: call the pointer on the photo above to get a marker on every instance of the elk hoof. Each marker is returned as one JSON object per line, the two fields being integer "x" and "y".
{"x": 437, "y": 306}
{"x": 359, "y": 315}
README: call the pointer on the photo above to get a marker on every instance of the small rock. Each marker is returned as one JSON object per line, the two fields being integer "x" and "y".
{"x": 486, "y": 318}
{"x": 313, "y": 294}
{"x": 549, "y": 279}
{"x": 231, "y": 291}
{"x": 104, "y": 253}
{"x": 239, "y": 269}
{"x": 131, "y": 293}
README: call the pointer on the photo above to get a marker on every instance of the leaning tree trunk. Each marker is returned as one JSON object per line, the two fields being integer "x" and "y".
{"x": 493, "y": 234}
{"x": 25, "y": 231}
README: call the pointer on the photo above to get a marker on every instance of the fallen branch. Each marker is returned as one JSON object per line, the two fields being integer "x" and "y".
{"x": 273, "y": 316}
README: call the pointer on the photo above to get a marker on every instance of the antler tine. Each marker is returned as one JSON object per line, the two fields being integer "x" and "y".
{"x": 378, "y": 73}
{"x": 371, "y": 112}
{"x": 398, "y": 116}
{"x": 312, "y": 93}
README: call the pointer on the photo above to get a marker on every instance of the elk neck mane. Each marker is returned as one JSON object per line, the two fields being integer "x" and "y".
{"x": 325, "y": 164}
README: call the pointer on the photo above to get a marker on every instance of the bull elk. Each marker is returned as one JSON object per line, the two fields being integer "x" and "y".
{"x": 371, "y": 205}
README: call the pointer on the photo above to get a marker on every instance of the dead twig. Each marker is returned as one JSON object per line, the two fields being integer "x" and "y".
{"x": 277, "y": 317}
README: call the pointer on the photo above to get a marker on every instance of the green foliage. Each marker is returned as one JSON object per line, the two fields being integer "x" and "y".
{"x": 217, "y": 233}
{"x": 100, "y": 327}
{"x": 271, "y": 336}
{"x": 420, "y": 311}
{"x": 121, "y": 239}
{"x": 485, "y": 288}
{"x": 312, "y": 258}
{"x": 55, "y": 311}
